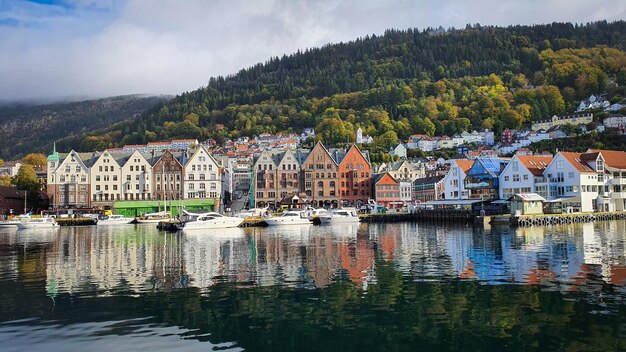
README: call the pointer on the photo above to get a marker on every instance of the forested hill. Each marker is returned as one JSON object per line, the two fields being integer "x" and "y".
{"x": 33, "y": 128}
{"x": 402, "y": 82}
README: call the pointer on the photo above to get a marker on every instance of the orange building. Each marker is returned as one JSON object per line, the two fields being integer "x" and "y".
{"x": 355, "y": 178}
{"x": 386, "y": 190}
{"x": 320, "y": 176}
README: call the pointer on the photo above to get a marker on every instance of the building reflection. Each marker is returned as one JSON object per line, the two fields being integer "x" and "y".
{"x": 135, "y": 259}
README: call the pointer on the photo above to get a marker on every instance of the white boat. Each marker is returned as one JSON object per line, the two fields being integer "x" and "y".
{"x": 340, "y": 216}
{"x": 12, "y": 223}
{"x": 115, "y": 220}
{"x": 154, "y": 218}
{"x": 254, "y": 212}
{"x": 315, "y": 213}
{"x": 209, "y": 220}
{"x": 290, "y": 217}
{"x": 37, "y": 223}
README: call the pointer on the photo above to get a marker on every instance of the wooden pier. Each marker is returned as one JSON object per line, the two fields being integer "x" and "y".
{"x": 76, "y": 221}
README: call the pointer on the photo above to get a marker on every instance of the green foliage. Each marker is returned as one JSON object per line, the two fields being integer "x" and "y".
{"x": 36, "y": 160}
{"x": 33, "y": 129}
{"x": 26, "y": 178}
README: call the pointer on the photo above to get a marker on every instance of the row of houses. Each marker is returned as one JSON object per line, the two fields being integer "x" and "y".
{"x": 590, "y": 181}
{"x": 99, "y": 179}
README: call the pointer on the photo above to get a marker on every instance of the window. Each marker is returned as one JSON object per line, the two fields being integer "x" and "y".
{"x": 570, "y": 175}
{"x": 525, "y": 177}
{"x": 506, "y": 178}
{"x": 516, "y": 178}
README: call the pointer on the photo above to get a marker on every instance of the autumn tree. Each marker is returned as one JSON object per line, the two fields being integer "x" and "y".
{"x": 36, "y": 160}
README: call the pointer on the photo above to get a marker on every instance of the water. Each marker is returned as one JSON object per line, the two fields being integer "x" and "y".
{"x": 377, "y": 287}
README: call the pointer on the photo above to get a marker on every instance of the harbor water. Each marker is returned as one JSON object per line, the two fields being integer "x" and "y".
{"x": 362, "y": 287}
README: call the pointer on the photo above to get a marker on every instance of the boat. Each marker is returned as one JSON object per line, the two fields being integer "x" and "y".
{"x": 208, "y": 220}
{"x": 12, "y": 223}
{"x": 154, "y": 218}
{"x": 37, "y": 223}
{"x": 313, "y": 213}
{"x": 340, "y": 216}
{"x": 254, "y": 212}
{"x": 115, "y": 220}
{"x": 290, "y": 217}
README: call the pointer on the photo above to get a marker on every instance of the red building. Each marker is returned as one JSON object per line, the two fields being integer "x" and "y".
{"x": 11, "y": 201}
{"x": 355, "y": 178}
{"x": 387, "y": 190}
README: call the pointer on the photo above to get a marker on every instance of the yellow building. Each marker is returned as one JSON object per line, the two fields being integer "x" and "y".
{"x": 577, "y": 118}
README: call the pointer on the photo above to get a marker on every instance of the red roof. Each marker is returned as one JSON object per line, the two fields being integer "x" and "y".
{"x": 536, "y": 164}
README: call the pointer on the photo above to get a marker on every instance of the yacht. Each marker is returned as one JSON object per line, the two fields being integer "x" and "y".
{"x": 36, "y": 223}
{"x": 12, "y": 223}
{"x": 209, "y": 220}
{"x": 154, "y": 218}
{"x": 340, "y": 216}
{"x": 115, "y": 220}
{"x": 290, "y": 217}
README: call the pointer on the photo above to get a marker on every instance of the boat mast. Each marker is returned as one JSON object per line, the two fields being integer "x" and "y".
{"x": 25, "y": 193}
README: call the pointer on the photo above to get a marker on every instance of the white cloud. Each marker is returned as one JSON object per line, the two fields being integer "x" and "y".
{"x": 97, "y": 48}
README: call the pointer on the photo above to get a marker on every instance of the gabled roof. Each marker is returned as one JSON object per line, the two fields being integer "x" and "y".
{"x": 612, "y": 158}
{"x": 493, "y": 166}
{"x": 464, "y": 164}
{"x": 577, "y": 162}
{"x": 11, "y": 193}
{"x": 358, "y": 151}
{"x": 536, "y": 164}
{"x": 384, "y": 179}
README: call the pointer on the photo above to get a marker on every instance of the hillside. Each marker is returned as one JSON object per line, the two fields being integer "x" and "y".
{"x": 432, "y": 82}
{"x": 26, "y": 129}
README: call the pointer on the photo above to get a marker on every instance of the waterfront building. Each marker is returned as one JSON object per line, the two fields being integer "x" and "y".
{"x": 320, "y": 176}
{"x": 265, "y": 187}
{"x": 202, "y": 176}
{"x": 482, "y": 178}
{"x": 136, "y": 176}
{"x": 387, "y": 190}
{"x": 524, "y": 174}
{"x": 572, "y": 182}
{"x": 68, "y": 180}
{"x": 12, "y": 201}
{"x": 355, "y": 177}
{"x": 287, "y": 174}
{"x": 167, "y": 177}
{"x": 428, "y": 188}
{"x": 454, "y": 181}
{"x": 614, "y": 163}
{"x": 105, "y": 178}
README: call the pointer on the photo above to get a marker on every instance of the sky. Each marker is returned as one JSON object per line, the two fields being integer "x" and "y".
{"x": 56, "y": 49}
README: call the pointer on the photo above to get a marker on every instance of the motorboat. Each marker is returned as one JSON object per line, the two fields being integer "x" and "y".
{"x": 154, "y": 218}
{"x": 115, "y": 220}
{"x": 313, "y": 213}
{"x": 36, "y": 223}
{"x": 340, "y": 216}
{"x": 290, "y": 217}
{"x": 254, "y": 212}
{"x": 12, "y": 223}
{"x": 209, "y": 220}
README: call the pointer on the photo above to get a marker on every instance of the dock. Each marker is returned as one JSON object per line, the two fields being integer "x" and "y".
{"x": 556, "y": 219}
{"x": 76, "y": 221}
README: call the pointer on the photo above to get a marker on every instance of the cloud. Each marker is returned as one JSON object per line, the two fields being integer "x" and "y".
{"x": 102, "y": 48}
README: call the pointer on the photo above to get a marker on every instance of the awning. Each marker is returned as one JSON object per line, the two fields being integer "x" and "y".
{"x": 565, "y": 200}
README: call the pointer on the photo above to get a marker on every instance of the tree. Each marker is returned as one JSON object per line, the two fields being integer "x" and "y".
{"x": 386, "y": 140}
{"x": 26, "y": 178}
{"x": 6, "y": 180}
{"x": 37, "y": 160}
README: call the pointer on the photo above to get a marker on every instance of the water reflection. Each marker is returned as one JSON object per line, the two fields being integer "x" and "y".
{"x": 103, "y": 260}
{"x": 255, "y": 288}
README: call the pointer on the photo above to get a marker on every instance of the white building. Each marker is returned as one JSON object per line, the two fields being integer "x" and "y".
{"x": 427, "y": 144}
{"x": 105, "y": 178}
{"x": 524, "y": 174}
{"x": 136, "y": 176}
{"x": 399, "y": 150}
{"x": 453, "y": 182}
{"x": 202, "y": 176}
{"x": 68, "y": 180}
{"x": 573, "y": 182}
{"x": 406, "y": 191}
